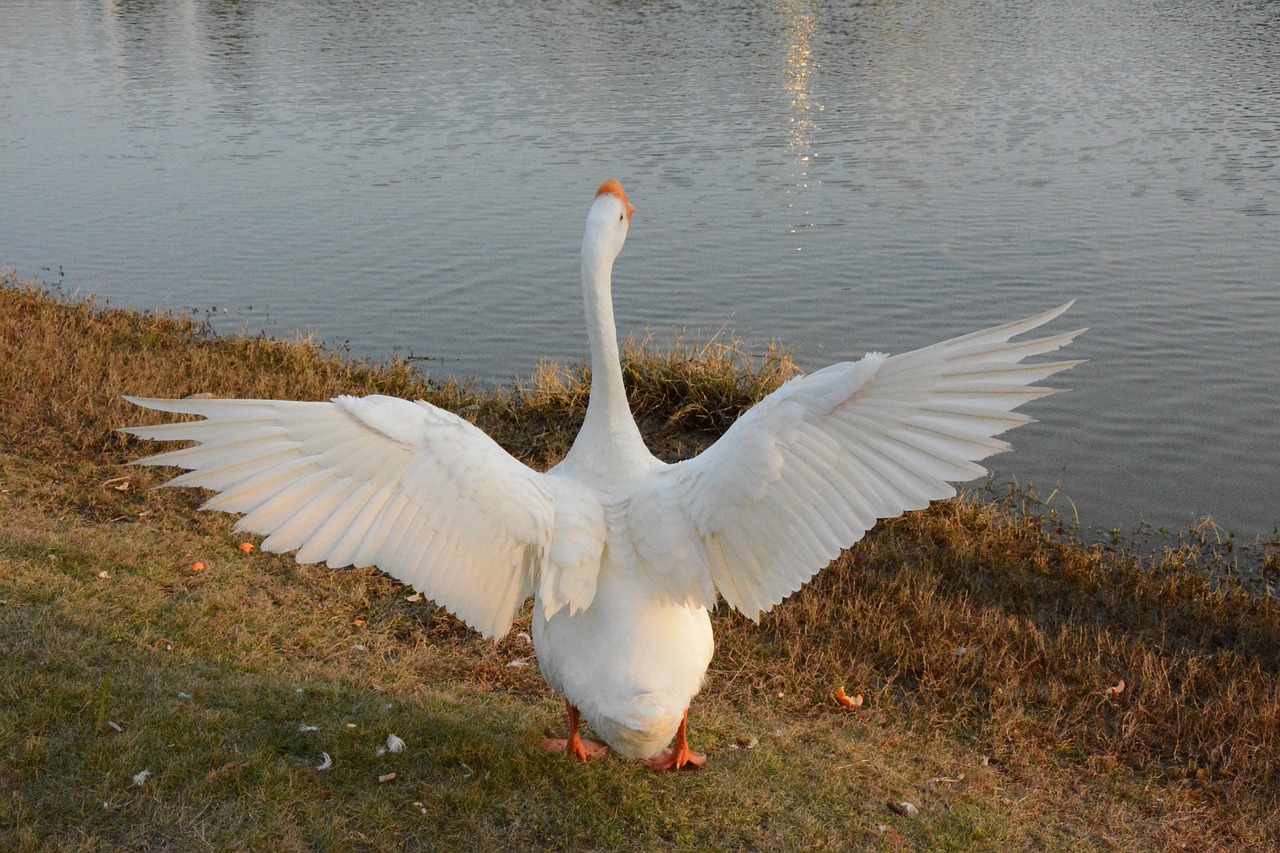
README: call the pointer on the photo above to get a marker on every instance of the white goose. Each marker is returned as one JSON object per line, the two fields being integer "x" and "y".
{"x": 622, "y": 553}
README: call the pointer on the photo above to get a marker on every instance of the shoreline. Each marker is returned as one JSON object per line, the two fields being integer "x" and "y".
{"x": 1255, "y": 561}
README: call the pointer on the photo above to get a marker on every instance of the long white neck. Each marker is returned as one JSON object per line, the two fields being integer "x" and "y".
{"x": 609, "y": 443}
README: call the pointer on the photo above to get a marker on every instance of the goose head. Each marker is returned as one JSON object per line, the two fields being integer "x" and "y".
{"x": 608, "y": 222}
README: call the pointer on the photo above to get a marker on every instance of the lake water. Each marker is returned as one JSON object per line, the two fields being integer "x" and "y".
{"x": 412, "y": 178}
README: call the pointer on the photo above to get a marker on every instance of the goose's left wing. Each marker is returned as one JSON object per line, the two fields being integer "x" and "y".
{"x": 807, "y": 471}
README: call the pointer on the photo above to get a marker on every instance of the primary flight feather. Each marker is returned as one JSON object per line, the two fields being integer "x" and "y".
{"x": 622, "y": 553}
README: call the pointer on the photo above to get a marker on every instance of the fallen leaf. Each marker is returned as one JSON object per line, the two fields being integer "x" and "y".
{"x": 120, "y": 484}
{"x": 226, "y": 768}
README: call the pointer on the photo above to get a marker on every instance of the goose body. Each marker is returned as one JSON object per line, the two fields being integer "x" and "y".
{"x": 631, "y": 662}
{"x": 622, "y": 553}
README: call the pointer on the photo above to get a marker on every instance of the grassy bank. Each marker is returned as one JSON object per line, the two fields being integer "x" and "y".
{"x": 984, "y": 649}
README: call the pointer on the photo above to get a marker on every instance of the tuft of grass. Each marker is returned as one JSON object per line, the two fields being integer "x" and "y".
{"x": 984, "y": 648}
{"x": 700, "y": 388}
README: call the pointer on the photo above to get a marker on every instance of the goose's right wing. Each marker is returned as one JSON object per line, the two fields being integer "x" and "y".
{"x": 408, "y": 487}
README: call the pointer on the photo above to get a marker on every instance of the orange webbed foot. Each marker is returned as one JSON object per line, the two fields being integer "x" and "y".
{"x": 679, "y": 755}
{"x": 675, "y": 759}
{"x": 575, "y": 745}
{"x": 580, "y": 748}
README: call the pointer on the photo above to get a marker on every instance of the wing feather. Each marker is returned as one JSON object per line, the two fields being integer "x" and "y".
{"x": 325, "y": 540}
{"x": 376, "y": 547}
{"x": 813, "y": 466}
{"x": 408, "y": 487}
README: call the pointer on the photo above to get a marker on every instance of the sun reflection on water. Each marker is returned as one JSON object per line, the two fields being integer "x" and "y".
{"x": 801, "y": 23}
{"x": 800, "y": 27}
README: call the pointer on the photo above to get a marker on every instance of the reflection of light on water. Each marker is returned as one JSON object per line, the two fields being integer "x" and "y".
{"x": 799, "y": 28}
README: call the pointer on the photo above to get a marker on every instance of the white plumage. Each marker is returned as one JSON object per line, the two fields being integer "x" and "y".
{"x": 623, "y": 554}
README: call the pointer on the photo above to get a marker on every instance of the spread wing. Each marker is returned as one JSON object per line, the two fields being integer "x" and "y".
{"x": 408, "y": 487}
{"x": 811, "y": 468}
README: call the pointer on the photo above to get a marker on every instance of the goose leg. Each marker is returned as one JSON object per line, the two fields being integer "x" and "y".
{"x": 575, "y": 745}
{"x": 679, "y": 755}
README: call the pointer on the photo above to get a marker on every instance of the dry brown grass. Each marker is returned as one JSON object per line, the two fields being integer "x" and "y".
{"x": 969, "y": 618}
{"x": 983, "y": 646}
